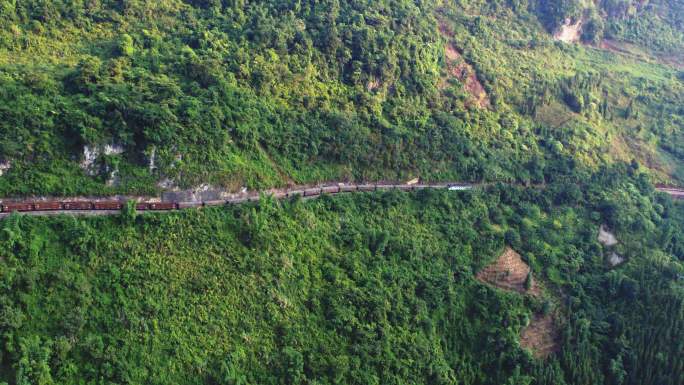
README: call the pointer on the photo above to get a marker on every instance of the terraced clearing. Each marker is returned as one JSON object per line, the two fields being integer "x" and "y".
{"x": 509, "y": 272}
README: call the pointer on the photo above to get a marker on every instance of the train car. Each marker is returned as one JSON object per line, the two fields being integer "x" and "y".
{"x": 366, "y": 187}
{"x": 216, "y": 203}
{"x": 312, "y": 192}
{"x": 330, "y": 189}
{"x": 77, "y": 205}
{"x": 346, "y": 189}
{"x": 47, "y": 206}
{"x": 404, "y": 187}
{"x": 294, "y": 193}
{"x": 162, "y": 206}
{"x": 107, "y": 205}
{"x": 189, "y": 205}
{"x": 142, "y": 206}
{"x": 384, "y": 186}
{"x": 10, "y": 207}
{"x": 459, "y": 187}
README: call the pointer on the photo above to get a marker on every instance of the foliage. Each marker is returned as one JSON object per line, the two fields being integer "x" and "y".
{"x": 105, "y": 97}
{"x": 266, "y": 93}
{"x": 355, "y": 289}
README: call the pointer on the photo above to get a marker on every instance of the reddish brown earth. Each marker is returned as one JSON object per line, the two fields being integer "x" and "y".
{"x": 464, "y": 72}
{"x": 508, "y": 273}
{"x": 541, "y": 336}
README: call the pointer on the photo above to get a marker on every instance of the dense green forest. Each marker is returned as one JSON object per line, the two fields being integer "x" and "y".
{"x": 264, "y": 93}
{"x": 356, "y": 289}
{"x": 572, "y": 109}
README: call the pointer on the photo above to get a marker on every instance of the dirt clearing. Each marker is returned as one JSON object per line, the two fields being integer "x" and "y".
{"x": 456, "y": 67}
{"x": 569, "y": 32}
{"x": 540, "y": 336}
{"x": 509, "y": 272}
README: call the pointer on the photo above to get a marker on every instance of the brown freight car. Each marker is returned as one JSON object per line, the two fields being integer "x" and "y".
{"x": 189, "y": 205}
{"x": 312, "y": 192}
{"x": 163, "y": 206}
{"x": 279, "y": 194}
{"x": 348, "y": 188}
{"x": 47, "y": 206}
{"x": 108, "y": 205}
{"x": 220, "y": 202}
{"x": 292, "y": 193}
{"x": 9, "y": 207}
{"x": 77, "y": 205}
{"x": 141, "y": 206}
{"x": 330, "y": 189}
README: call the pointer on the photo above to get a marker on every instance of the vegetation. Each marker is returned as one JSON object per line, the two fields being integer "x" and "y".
{"x": 266, "y": 93}
{"x": 356, "y": 289}
{"x": 656, "y": 24}
{"x": 105, "y": 97}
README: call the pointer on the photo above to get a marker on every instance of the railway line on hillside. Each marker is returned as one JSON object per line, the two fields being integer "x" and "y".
{"x": 109, "y": 206}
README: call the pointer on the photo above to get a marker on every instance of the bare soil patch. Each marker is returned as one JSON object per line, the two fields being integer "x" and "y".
{"x": 509, "y": 272}
{"x": 569, "y": 32}
{"x": 458, "y": 68}
{"x": 541, "y": 336}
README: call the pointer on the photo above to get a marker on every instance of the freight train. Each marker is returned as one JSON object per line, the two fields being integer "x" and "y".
{"x": 81, "y": 206}
{"x": 100, "y": 205}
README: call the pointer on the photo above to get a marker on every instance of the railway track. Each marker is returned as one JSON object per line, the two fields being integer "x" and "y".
{"x": 113, "y": 207}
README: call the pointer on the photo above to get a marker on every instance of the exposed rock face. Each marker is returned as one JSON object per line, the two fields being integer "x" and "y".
{"x": 4, "y": 166}
{"x": 153, "y": 159}
{"x": 569, "y": 32}
{"x": 606, "y": 237}
{"x": 91, "y": 154}
{"x": 615, "y": 259}
{"x": 204, "y": 192}
{"x": 114, "y": 179}
{"x": 167, "y": 184}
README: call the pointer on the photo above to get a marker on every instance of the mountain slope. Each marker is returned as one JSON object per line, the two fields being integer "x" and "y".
{"x": 357, "y": 289}
{"x": 265, "y": 93}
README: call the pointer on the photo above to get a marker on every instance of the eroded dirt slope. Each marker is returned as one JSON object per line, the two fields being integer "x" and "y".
{"x": 458, "y": 68}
